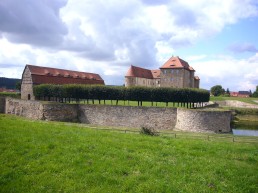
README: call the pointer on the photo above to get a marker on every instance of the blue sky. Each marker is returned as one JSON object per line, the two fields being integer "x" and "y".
{"x": 217, "y": 38}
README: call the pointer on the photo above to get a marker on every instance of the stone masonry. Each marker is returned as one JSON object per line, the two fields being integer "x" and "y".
{"x": 203, "y": 120}
{"x": 2, "y": 104}
{"x": 123, "y": 116}
{"x": 134, "y": 117}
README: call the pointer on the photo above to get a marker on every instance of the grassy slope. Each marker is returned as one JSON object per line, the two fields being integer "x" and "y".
{"x": 55, "y": 157}
{"x": 250, "y": 100}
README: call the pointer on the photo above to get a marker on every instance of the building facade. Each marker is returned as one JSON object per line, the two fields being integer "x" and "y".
{"x": 174, "y": 73}
{"x": 36, "y": 75}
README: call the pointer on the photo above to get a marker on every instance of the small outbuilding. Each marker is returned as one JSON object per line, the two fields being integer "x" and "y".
{"x": 36, "y": 75}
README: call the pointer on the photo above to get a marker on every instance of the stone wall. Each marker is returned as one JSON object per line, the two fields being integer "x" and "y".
{"x": 123, "y": 116}
{"x": 203, "y": 120}
{"x": 2, "y": 104}
{"x": 134, "y": 117}
{"x": 60, "y": 112}
{"x": 24, "y": 108}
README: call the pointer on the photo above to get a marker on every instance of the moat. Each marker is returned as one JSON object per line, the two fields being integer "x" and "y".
{"x": 247, "y": 128}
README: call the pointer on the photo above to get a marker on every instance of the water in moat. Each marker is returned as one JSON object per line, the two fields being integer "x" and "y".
{"x": 247, "y": 128}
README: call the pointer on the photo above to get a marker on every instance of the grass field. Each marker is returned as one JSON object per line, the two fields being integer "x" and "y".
{"x": 129, "y": 103}
{"x": 59, "y": 157}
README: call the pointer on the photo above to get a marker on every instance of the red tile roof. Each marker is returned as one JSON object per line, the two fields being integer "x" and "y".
{"x": 46, "y": 75}
{"x": 134, "y": 71}
{"x": 155, "y": 73}
{"x": 176, "y": 62}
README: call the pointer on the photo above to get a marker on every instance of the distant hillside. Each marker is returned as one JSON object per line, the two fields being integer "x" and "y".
{"x": 8, "y": 83}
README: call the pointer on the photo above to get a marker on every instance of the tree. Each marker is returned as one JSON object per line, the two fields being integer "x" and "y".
{"x": 255, "y": 94}
{"x": 228, "y": 92}
{"x": 217, "y": 90}
{"x": 18, "y": 85}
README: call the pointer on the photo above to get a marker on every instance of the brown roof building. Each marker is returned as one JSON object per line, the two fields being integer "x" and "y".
{"x": 174, "y": 73}
{"x": 35, "y": 75}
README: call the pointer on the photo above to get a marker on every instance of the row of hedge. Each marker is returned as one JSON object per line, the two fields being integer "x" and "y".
{"x": 10, "y": 94}
{"x": 179, "y": 95}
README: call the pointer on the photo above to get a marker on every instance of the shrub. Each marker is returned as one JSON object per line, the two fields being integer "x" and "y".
{"x": 10, "y": 94}
{"x": 148, "y": 131}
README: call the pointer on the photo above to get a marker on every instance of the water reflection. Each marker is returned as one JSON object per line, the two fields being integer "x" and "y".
{"x": 248, "y": 128}
{"x": 245, "y": 132}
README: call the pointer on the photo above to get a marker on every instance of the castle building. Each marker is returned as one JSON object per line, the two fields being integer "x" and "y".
{"x": 36, "y": 75}
{"x": 174, "y": 73}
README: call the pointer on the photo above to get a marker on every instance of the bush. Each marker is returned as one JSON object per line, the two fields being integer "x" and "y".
{"x": 148, "y": 131}
{"x": 10, "y": 94}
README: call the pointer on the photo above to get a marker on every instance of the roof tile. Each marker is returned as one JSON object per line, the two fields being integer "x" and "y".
{"x": 176, "y": 62}
{"x": 47, "y": 75}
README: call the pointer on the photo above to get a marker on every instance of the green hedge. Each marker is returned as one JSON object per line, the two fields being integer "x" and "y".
{"x": 140, "y": 94}
{"x": 10, "y": 94}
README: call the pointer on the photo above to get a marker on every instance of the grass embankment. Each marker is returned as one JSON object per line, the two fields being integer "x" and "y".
{"x": 250, "y": 100}
{"x": 56, "y": 157}
{"x": 243, "y": 117}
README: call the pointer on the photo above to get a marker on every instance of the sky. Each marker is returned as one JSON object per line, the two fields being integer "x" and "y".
{"x": 218, "y": 38}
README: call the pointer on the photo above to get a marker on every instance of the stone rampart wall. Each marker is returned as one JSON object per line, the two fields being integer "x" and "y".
{"x": 60, "y": 112}
{"x": 24, "y": 108}
{"x": 123, "y": 116}
{"x": 203, "y": 120}
{"x": 2, "y": 104}
{"x": 135, "y": 117}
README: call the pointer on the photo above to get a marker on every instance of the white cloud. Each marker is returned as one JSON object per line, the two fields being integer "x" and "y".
{"x": 108, "y": 36}
{"x": 229, "y": 72}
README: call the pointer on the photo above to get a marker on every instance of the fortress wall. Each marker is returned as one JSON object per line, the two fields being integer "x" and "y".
{"x": 24, "y": 108}
{"x": 123, "y": 116}
{"x": 2, "y": 104}
{"x": 203, "y": 120}
{"x": 60, "y": 112}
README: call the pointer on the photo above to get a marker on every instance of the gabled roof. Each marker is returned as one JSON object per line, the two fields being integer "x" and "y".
{"x": 176, "y": 62}
{"x": 134, "y": 71}
{"x": 47, "y": 75}
{"x": 155, "y": 73}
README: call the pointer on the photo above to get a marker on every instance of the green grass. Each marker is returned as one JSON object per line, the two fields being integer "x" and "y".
{"x": 38, "y": 156}
{"x": 130, "y": 103}
{"x": 250, "y": 100}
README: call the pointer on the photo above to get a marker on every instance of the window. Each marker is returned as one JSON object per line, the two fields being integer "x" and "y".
{"x": 177, "y": 71}
{"x": 171, "y": 79}
{"x": 172, "y": 71}
{"x": 165, "y": 71}
{"x": 28, "y": 96}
